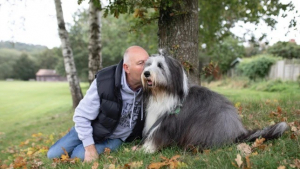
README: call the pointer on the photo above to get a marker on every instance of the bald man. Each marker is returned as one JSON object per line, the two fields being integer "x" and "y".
{"x": 110, "y": 113}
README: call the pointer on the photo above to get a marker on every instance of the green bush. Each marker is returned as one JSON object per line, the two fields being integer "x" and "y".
{"x": 275, "y": 86}
{"x": 257, "y": 67}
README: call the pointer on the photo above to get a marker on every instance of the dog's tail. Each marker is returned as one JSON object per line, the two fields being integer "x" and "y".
{"x": 271, "y": 132}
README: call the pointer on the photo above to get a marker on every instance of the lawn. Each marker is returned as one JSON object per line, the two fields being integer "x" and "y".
{"x": 33, "y": 115}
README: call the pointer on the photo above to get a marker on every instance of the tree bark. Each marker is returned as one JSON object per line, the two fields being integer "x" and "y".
{"x": 68, "y": 56}
{"x": 178, "y": 31}
{"x": 95, "y": 59}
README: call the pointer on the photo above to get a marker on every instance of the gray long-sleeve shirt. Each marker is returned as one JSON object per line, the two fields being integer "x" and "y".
{"x": 88, "y": 110}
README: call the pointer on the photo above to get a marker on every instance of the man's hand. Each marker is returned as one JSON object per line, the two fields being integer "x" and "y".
{"x": 91, "y": 153}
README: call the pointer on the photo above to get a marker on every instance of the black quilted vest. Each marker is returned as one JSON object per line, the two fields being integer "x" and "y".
{"x": 108, "y": 86}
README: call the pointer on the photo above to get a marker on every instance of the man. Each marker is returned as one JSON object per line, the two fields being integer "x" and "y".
{"x": 110, "y": 113}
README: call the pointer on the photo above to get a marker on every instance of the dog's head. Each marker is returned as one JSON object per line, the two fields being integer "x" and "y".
{"x": 164, "y": 73}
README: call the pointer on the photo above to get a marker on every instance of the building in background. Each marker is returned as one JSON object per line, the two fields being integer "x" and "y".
{"x": 49, "y": 75}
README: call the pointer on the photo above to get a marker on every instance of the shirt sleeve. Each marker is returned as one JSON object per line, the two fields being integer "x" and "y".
{"x": 86, "y": 111}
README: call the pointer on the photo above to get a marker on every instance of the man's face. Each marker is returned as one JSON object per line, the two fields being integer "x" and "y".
{"x": 136, "y": 67}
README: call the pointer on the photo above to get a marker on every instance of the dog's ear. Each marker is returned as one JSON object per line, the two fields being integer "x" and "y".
{"x": 163, "y": 52}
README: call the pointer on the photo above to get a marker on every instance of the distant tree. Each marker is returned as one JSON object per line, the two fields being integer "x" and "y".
{"x": 48, "y": 59}
{"x": 287, "y": 50}
{"x": 120, "y": 33}
{"x": 24, "y": 68}
{"x": 8, "y": 58}
{"x": 224, "y": 53}
{"x": 79, "y": 40}
{"x": 68, "y": 56}
{"x": 22, "y": 46}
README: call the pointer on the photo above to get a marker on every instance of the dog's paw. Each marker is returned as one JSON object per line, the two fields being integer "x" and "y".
{"x": 149, "y": 147}
{"x": 135, "y": 148}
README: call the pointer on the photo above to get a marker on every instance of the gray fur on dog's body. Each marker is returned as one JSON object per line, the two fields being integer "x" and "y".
{"x": 206, "y": 119}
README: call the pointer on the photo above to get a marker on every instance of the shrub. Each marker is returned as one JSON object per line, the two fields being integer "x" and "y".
{"x": 257, "y": 67}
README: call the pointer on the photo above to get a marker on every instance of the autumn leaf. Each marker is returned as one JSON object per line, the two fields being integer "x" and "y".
{"x": 37, "y": 135}
{"x": 157, "y": 165}
{"x": 297, "y": 163}
{"x": 172, "y": 163}
{"x": 281, "y": 167}
{"x": 65, "y": 157}
{"x": 248, "y": 162}
{"x": 206, "y": 152}
{"x": 244, "y": 148}
{"x": 74, "y": 160}
{"x": 239, "y": 160}
{"x": 295, "y": 128}
{"x": 109, "y": 166}
{"x": 24, "y": 143}
{"x": 279, "y": 110}
{"x": 95, "y": 165}
{"x": 135, "y": 164}
{"x": 106, "y": 151}
{"x": 258, "y": 143}
{"x": 19, "y": 162}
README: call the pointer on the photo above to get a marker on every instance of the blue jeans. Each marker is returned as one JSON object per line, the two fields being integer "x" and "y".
{"x": 75, "y": 148}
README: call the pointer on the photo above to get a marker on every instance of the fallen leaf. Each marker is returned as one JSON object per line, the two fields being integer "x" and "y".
{"x": 244, "y": 148}
{"x": 258, "y": 142}
{"x": 172, "y": 163}
{"x": 281, "y": 167}
{"x": 279, "y": 110}
{"x": 157, "y": 165}
{"x": 19, "y": 162}
{"x": 206, "y": 152}
{"x": 135, "y": 164}
{"x": 239, "y": 160}
{"x": 297, "y": 163}
{"x": 109, "y": 166}
{"x": 293, "y": 128}
{"x": 74, "y": 160}
{"x": 106, "y": 151}
{"x": 95, "y": 165}
{"x": 248, "y": 162}
{"x": 293, "y": 136}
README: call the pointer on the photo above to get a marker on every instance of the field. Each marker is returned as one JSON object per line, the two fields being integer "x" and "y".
{"x": 33, "y": 115}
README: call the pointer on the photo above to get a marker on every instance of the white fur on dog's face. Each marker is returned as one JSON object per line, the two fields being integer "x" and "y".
{"x": 159, "y": 72}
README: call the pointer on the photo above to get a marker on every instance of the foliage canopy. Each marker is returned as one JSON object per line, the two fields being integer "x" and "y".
{"x": 215, "y": 17}
{"x": 287, "y": 50}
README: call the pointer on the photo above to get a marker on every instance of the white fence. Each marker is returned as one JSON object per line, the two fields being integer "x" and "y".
{"x": 285, "y": 70}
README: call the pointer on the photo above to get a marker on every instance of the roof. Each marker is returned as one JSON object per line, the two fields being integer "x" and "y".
{"x": 237, "y": 60}
{"x": 46, "y": 72}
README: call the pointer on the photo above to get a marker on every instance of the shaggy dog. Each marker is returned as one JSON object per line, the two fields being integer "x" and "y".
{"x": 183, "y": 115}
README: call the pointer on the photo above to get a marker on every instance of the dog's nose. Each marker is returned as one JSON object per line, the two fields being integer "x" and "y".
{"x": 146, "y": 73}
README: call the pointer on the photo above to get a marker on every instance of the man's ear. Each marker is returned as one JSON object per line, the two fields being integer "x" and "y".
{"x": 126, "y": 68}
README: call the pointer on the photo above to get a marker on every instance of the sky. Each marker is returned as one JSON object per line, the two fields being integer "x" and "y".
{"x": 34, "y": 22}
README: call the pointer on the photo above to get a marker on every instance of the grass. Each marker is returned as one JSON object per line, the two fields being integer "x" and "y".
{"x": 31, "y": 107}
{"x": 34, "y": 115}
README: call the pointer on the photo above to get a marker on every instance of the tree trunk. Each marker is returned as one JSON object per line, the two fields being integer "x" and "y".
{"x": 68, "y": 56}
{"x": 95, "y": 59}
{"x": 178, "y": 31}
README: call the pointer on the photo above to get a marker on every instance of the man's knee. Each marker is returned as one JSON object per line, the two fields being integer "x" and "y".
{"x": 54, "y": 152}
{"x": 51, "y": 154}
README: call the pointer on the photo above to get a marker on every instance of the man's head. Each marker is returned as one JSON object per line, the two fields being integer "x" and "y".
{"x": 134, "y": 60}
